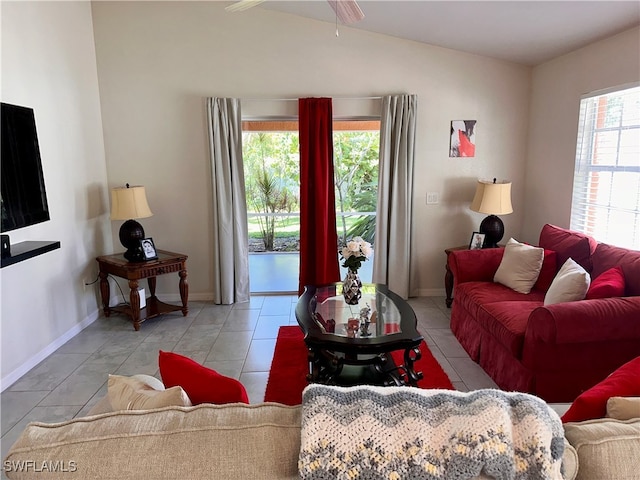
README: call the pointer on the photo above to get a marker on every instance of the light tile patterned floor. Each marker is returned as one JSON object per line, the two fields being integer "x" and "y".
{"x": 235, "y": 340}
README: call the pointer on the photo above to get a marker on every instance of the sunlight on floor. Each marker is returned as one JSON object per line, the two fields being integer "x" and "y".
{"x": 278, "y": 272}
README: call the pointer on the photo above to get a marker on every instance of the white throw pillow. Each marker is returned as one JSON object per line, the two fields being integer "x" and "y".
{"x": 520, "y": 266}
{"x": 129, "y": 393}
{"x": 623, "y": 408}
{"x": 570, "y": 283}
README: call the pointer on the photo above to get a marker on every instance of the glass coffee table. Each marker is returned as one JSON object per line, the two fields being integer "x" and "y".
{"x": 352, "y": 344}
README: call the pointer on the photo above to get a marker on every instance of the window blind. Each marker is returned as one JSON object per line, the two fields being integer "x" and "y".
{"x": 606, "y": 184}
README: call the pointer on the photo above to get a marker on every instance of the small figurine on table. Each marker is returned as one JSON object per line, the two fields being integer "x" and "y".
{"x": 365, "y": 321}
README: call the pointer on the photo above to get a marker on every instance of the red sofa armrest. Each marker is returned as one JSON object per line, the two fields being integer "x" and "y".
{"x": 474, "y": 265}
{"x": 586, "y": 321}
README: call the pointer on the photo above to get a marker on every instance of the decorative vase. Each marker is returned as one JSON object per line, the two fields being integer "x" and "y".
{"x": 351, "y": 287}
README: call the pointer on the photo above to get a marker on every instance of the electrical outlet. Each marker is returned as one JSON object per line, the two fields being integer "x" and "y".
{"x": 433, "y": 198}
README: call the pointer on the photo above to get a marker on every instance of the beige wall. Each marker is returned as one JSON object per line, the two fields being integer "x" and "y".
{"x": 158, "y": 61}
{"x": 555, "y": 101}
{"x": 48, "y": 64}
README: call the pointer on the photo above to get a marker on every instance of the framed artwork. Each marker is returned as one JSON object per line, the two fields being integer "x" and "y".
{"x": 477, "y": 240}
{"x": 148, "y": 249}
{"x": 463, "y": 138}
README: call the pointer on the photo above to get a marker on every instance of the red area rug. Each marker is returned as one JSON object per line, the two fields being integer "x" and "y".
{"x": 287, "y": 377}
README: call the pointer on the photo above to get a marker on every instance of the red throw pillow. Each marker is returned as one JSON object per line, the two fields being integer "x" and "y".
{"x": 608, "y": 284}
{"x": 548, "y": 271}
{"x": 624, "y": 382}
{"x": 202, "y": 384}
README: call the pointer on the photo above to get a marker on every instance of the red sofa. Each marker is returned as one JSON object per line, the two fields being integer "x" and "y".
{"x": 555, "y": 351}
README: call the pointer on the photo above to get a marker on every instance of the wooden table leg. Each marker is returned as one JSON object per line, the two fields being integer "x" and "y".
{"x": 184, "y": 291}
{"x": 152, "y": 286}
{"x": 134, "y": 300}
{"x": 448, "y": 285}
{"x": 105, "y": 293}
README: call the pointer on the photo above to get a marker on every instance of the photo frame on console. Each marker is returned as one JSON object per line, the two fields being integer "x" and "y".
{"x": 477, "y": 240}
{"x": 148, "y": 249}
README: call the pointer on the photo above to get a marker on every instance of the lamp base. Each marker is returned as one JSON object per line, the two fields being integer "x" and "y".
{"x": 493, "y": 230}
{"x": 131, "y": 232}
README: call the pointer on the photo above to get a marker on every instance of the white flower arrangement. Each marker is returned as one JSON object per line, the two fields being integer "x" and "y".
{"x": 355, "y": 252}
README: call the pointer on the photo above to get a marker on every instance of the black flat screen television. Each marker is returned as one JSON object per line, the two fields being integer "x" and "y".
{"x": 24, "y": 198}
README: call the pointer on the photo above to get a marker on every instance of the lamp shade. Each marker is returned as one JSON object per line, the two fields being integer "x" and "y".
{"x": 492, "y": 198}
{"x": 129, "y": 202}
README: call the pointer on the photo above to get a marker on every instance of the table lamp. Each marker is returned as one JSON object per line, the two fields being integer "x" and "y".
{"x": 128, "y": 203}
{"x": 493, "y": 199}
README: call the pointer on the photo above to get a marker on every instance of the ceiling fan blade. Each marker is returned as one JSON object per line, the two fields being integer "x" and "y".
{"x": 348, "y": 11}
{"x": 242, "y": 5}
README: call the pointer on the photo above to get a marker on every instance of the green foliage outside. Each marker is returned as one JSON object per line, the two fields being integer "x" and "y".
{"x": 355, "y": 159}
{"x": 272, "y": 178}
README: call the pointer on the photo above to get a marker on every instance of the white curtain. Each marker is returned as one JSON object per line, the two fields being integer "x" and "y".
{"x": 392, "y": 259}
{"x": 230, "y": 235}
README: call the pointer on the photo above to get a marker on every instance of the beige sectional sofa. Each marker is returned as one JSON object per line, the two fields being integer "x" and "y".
{"x": 239, "y": 441}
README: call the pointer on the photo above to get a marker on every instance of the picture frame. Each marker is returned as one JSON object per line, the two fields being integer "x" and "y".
{"x": 148, "y": 249}
{"x": 477, "y": 241}
{"x": 462, "y": 140}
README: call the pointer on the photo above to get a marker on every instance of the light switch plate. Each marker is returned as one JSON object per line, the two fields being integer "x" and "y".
{"x": 433, "y": 198}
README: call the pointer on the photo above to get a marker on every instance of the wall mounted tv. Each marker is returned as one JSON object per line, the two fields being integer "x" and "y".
{"x": 24, "y": 198}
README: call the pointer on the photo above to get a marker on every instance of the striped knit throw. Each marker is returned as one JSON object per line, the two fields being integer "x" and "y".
{"x": 398, "y": 433}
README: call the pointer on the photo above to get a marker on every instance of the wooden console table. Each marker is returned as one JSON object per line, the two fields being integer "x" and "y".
{"x": 167, "y": 262}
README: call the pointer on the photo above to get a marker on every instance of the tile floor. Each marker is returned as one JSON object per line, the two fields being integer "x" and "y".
{"x": 235, "y": 340}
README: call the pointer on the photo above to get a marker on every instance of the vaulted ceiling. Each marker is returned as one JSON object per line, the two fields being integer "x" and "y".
{"x": 525, "y": 32}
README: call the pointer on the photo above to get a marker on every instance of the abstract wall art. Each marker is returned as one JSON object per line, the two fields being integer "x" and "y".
{"x": 463, "y": 138}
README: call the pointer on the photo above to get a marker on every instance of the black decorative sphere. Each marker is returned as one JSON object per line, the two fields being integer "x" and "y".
{"x": 493, "y": 230}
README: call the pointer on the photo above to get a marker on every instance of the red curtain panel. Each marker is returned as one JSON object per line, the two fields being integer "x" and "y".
{"x": 318, "y": 235}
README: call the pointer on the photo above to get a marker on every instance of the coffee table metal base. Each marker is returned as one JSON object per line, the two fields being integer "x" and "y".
{"x": 333, "y": 368}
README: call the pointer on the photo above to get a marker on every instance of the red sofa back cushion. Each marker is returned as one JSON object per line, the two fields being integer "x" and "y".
{"x": 568, "y": 243}
{"x": 608, "y": 256}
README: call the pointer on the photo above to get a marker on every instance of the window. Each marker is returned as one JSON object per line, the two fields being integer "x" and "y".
{"x": 606, "y": 185}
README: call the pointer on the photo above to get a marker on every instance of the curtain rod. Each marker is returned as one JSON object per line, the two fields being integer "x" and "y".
{"x": 296, "y": 99}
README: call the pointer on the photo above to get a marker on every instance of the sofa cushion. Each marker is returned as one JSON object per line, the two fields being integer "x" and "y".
{"x": 570, "y": 284}
{"x": 472, "y": 295}
{"x": 568, "y": 243}
{"x": 202, "y": 384}
{"x": 520, "y": 266}
{"x": 507, "y": 322}
{"x": 625, "y": 382}
{"x": 232, "y": 441}
{"x": 608, "y": 284}
{"x": 608, "y": 256}
{"x": 623, "y": 408}
{"x": 607, "y": 448}
{"x": 128, "y": 393}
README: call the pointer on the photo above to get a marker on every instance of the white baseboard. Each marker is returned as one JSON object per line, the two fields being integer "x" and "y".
{"x": 15, "y": 375}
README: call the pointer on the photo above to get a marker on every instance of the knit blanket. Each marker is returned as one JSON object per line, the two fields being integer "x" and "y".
{"x": 398, "y": 433}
